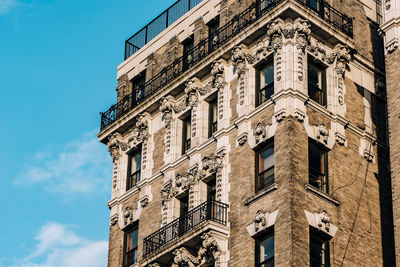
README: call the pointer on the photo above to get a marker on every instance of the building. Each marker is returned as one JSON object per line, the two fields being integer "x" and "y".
{"x": 255, "y": 133}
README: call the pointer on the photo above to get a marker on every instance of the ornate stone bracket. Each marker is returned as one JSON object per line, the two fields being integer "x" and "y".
{"x": 209, "y": 251}
{"x": 242, "y": 139}
{"x": 239, "y": 60}
{"x": 322, "y": 222}
{"x": 322, "y": 134}
{"x": 340, "y": 139}
{"x": 261, "y": 222}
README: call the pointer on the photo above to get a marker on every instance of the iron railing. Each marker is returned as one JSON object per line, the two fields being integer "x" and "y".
{"x": 157, "y": 25}
{"x": 210, "y": 210}
{"x": 214, "y": 41}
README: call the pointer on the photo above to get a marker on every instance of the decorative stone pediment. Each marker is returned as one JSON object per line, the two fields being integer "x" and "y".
{"x": 128, "y": 216}
{"x": 322, "y": 222}
{"x": 261, "y": 222}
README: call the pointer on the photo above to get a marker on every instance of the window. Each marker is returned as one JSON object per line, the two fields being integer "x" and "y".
{"x": 265, "y": 167}
{"x": 319, "y": 249}
{"x": 213, "y": 117}
{"x": 265, "y": 83}
{"x": 317, "y": 84}
{"x": 213, "y": 36}
{"x": 265, "y": 251}
{"x": 318, "y": 166}
{"x": 131, "y": 247}
{"x": 183, "y": 211}
{"x": 188, "y": 53}
{"x": 134, "y": 168}
{"x": 211, "y": 190}
{"x": 187, "y": 132}
{"x": 138, "y": 86}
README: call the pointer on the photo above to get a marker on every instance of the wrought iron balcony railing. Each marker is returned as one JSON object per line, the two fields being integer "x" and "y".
{"x": 214, "y": 41}
{"x": 157, "y": 25}
{"x": 210, "y": 210}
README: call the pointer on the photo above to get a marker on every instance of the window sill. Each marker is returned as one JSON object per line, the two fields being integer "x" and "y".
{"x": 321, "y": 194}
{"x": 260, "y": 194}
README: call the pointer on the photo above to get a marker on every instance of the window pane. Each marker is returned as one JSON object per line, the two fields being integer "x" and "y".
{"x": 132, "y": 240}
{"x": 214, "y": 111}
{"x": 267, "y": 249}
{"x": 314, "y": 76}
{"x": 267, "y": 75}
{"x": 315, "y": 158}
{"x": 267, "y": 159}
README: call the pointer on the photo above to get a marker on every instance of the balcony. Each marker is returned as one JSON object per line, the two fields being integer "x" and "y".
{"x": 209, "y": 211}
{"x": 205, "y": 47}
{"x": 157, "y": 25}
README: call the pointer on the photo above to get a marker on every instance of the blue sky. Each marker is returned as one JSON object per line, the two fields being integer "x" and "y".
{"x": 58, "y": 62}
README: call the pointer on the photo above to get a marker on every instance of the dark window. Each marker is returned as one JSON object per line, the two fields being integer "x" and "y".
{"x": 211, "y": 190}
{"x": 318, "y": 166}
{"x": 183, "y": 211}
{"x": 265, "y": 251}
{"x": 213, "y": 117}
{"x": 317, "y": 84}
{"x": 319, "y": 249}
{"x": 188, "y": 53}
{"x": 138, "y": 85}
{"x": 213, "y": 30}
{"x": 134, "y": 168}
{"x": 131, "y": 247}
{"x": 265, "y": 83}
{"x": 265, "y": 167}
{"x": 186, "y": 133}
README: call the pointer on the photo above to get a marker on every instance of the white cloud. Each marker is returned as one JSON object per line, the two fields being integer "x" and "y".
{"x": 61, "y": 247}
{"x": 81, "y": 166}
{"x": 7, "y": 5}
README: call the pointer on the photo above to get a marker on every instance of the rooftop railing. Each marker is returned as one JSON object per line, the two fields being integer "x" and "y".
{"x": 157, "y": 25}
{"x": 214, "y": 41}
{"x": 210, "y": 210}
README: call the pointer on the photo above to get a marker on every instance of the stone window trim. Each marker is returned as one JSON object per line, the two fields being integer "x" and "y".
{"x": 259, "y": 67}
{"x": 322, "y": 70}
{"x": 262, "y": 223}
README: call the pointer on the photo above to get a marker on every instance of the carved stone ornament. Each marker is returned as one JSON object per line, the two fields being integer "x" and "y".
{"x": 166, "y": 109}
{"x": 239, "y": 60}
{"x": 369, "y": 156}
{"x": 392, "y": 46}
{"x": 260, "y": 133}
{"x": 217, "y": 72}
{"x": 128, "y": 216}
{"x": 154, "y": 264}
{"x": 280, "y": 115}
{"x": 144, "y": 201}
{"x": 182, "y": 257}
{"x": 299, "y": 115}
{"x": 388, "y": 5}
{"x": 191, "y": 92}
{"x": 166, "y": 193}
{"x": 340, "y": 139}
{"x": 114, "y": 219}
{"x": 260, "y": 220}
{"x": 207, "y": 253}
{"x": 323, "y": 221}
{"x": 242, "y": 139}
{"x": 211, "y": 165}
{"x": 261, "y": 50}
{"x": 114, "y": 145}
{"x": 322, "y": 133}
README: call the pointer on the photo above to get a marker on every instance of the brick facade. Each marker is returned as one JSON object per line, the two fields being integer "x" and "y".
{"x": 352, "y": 127}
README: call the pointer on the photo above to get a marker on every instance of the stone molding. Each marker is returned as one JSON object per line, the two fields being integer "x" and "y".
{"x": 322, "y": 222}
{"x": 261, "y": 222}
